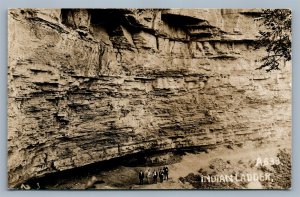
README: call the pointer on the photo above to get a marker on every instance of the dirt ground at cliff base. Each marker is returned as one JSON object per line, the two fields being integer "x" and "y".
{"x": 186, "y": 169}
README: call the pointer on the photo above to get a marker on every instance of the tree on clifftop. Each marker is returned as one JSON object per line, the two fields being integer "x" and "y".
{"x": 276, "y": 37}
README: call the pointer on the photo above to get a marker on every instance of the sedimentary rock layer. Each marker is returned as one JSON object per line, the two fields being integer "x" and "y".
{"x": 90, "y": 85}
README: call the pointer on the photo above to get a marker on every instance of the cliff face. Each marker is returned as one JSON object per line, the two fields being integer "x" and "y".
{"x": 91, "y": 85}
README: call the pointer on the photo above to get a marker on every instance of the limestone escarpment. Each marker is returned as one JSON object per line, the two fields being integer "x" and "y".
{"x": 91, "y": 85}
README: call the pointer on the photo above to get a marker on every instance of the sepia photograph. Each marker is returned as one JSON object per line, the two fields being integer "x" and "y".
{"x": 149, "y": 99}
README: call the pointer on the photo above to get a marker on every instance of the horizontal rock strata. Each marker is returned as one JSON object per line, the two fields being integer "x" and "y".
{"x": 91, "y": 85}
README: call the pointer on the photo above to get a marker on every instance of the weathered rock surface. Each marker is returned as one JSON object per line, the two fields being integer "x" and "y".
{"x": 91, "y": 85}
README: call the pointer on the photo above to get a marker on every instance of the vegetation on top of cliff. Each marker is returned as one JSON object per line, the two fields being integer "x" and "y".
{"x": 276, "y": 37}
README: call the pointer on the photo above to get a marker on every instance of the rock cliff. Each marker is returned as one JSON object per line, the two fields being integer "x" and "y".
{"x": 90, "y": 85}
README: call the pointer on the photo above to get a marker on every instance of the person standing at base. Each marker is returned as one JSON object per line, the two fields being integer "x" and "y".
{"x": 155, "y": 177}
{"x": 161, "y": 175}
{"x": 166, "y": 172}
{"x": 141, "y": 177}
{"x": 149, "y": 174}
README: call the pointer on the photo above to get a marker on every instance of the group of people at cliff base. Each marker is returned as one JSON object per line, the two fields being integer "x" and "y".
{"x": 152, "y": 176}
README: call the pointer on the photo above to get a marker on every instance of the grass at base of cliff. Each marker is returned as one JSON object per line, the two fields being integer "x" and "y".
{"x": 280, "y": 174}
{"x": 187, "y": 167}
